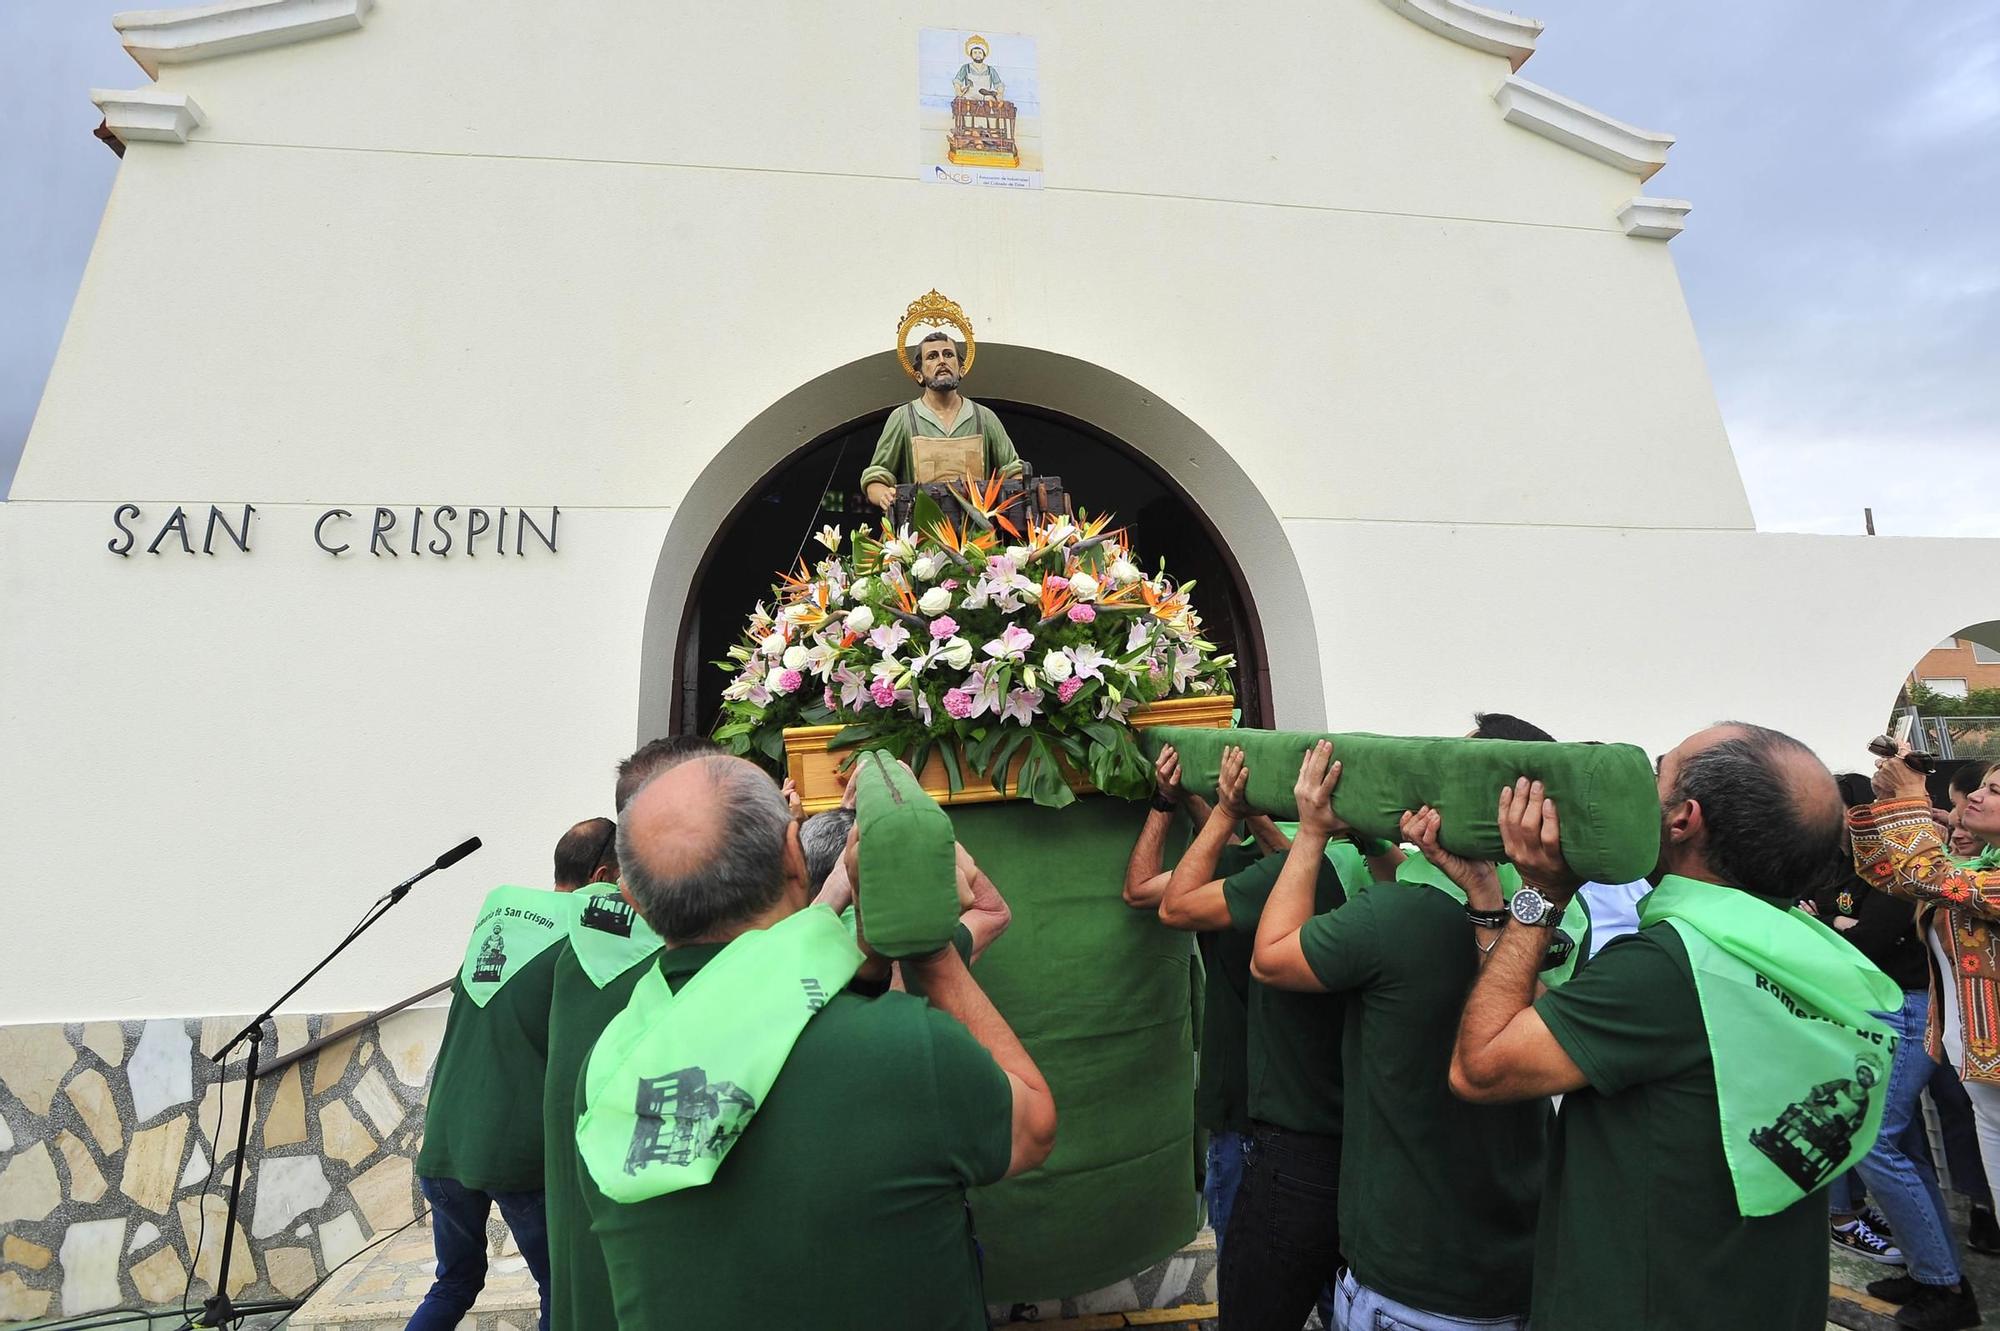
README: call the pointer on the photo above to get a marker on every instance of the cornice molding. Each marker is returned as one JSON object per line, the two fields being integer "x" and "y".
{"x": 156, "y": 37}
{"x": 148, "y": 113}
{"x": 1576, "y": 126}
{"x": 1489, "y": 30}
{"x": 1654, "y": 219}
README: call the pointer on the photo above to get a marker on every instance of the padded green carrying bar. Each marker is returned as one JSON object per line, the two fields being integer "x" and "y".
{"x": 1606, "y": 793}
{"x": 909, "y": 861}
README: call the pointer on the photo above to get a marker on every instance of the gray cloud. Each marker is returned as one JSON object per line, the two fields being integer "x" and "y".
{"x": 1844, "y": 163}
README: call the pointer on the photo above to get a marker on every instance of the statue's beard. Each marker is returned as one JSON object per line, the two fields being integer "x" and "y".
{"x": 944, "y": 379}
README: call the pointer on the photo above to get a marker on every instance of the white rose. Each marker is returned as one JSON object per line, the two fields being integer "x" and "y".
{"x": 860, "y": 619}
{"x": 858, "y": 589}
{"x": 1123, "y": 572}
{"x": 1057, "y": 667}
{"x": 795, "y": 657}
{"x": 957, "y": 654}
{"x": 1017, "y": 553}
{"x": 773, "y": 644}
{"x": 1083, "y": 587}
{"x": 926, "y": 568}
{"x": 935, "y": 601}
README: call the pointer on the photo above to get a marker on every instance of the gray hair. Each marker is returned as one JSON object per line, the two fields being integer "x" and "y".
{"x": 740, "y": 876}
{"x": 1765, "y": 833}
{"x": 823, "y": 837}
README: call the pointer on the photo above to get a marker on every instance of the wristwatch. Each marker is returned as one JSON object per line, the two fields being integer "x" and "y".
{"x": 1531, "y": 908}
{"x": 1162, "y": 804}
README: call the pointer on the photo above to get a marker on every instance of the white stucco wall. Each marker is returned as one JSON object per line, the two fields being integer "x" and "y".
{"x": 485, "y": 253}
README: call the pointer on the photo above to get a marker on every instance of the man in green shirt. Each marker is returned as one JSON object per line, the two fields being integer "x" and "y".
{"x": 840, "y": 1203}
{"x": 595, "y": 968}
{"x": 1437, "y": 1196}
{"x": 1282, "y": 1250}
{"x": 941, "y": 413}
{"x": 1642, "y": 1223}
{"x": 483, "y": 1122}
{"x": 1222, "y": 1076}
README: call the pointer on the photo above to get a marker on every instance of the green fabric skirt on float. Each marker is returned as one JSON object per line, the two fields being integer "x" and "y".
{"x": 1606, "y": 794}
{"x": 1101, "y": 996}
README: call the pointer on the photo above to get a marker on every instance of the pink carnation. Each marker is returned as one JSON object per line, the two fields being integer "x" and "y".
{"x": 1082, "y": 613}
{"x": 1068, "y": 688}
{"x": 949, "y": 584}
{"x": 882, "y": 693}
{"x": 958, "y": 703}
{"x": 832, "y": 702}
{"x": 1055, "y": 582}
{"x": 943, "y": 627}
{"x": 788, "y": 682}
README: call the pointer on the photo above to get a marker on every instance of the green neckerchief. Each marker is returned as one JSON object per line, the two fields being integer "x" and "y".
{"x": 675, "y": 1078}
{"x": 1984, "y": 860}
{"x": 515, "y": 925}
{"x": 1801, "y": 1064}
{"x": 1565, "y": 949}
{"x": 608, "y": 936}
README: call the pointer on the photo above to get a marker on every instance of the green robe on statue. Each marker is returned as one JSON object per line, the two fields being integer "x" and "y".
{"x": 891, "y": 464}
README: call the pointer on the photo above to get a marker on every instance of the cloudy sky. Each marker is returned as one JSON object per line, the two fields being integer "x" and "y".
{"x": 1841, "y": 262}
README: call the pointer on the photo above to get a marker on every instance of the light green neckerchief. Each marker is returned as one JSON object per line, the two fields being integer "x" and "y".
{"x": 515, "y": 925}
{"x": 1565, "y": 948}
{"x": 675, "y": 1078}
{"x": 608, "y": 936}
{"x": 1801, "y": 1064}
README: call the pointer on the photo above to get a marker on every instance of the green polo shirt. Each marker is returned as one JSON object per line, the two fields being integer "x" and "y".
{"x": 483, "y": 1123}
{"x": 1222, "y": 1084}
{"x": 1437, "y": 1196}
{"x": 891, "y": 463}
{"x": 579, "y": 1286}
{"x": 842, "y": 1207}
{"x": 1294, "y": 1039}
{"x": 1639, "y": 1227}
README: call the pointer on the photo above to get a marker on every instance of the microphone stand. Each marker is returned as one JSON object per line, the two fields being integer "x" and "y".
{"x": 218, "y": 1309}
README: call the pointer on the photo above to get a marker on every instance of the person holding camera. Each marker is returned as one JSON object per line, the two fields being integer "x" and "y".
{"x": 1900, "y": 849}
{"x": 843, "y": 1204}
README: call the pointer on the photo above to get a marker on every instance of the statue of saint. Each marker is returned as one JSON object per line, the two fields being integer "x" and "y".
{"x": 932, "y": 438}
{"x": 976, "y": 78}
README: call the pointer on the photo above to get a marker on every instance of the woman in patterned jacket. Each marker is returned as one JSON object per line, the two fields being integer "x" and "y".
{"x": 1899, "y": 848}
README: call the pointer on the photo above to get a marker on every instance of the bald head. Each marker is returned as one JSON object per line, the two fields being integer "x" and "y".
{"x": 1750, "y": 807}
{"x": 707, "y": 848}
{"x": 587, "y": 853}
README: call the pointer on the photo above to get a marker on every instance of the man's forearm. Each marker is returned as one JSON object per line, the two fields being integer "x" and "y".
{"x": 950, "y": 988}
{"x": 1290, "y": 904}
{"x": 1198, "y": 861}
{"x": 1269, "y": 839}
{"x": 1145, "y": 877}
{"x": 1505, "y": 986}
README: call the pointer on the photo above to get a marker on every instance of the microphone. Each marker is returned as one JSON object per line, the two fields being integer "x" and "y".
{"x": 457, "y": 853}
{"x": 444, "y": 861}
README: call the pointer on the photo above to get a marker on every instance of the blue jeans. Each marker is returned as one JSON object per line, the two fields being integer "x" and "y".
{"x": 1228, "y": 1153}
{"x": 458, "y": 1227}
{"x": 1907, "y": 1194}
{"x": 1359, "y": 1308}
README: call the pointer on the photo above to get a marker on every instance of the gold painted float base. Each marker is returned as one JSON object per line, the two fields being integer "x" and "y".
{"x": 815, "y": 769}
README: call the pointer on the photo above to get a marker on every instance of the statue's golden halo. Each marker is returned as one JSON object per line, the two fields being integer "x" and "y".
{"x": 934, "y": 311}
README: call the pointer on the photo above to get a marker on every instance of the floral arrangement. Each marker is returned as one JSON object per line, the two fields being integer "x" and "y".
{"x": 975, "y": 638}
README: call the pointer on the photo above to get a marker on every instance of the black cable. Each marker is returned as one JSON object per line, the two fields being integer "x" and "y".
{"x": 313, "y": 1288}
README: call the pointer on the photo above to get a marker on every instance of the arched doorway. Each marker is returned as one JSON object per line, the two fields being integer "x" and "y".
{"x": 1117, "y": 447}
